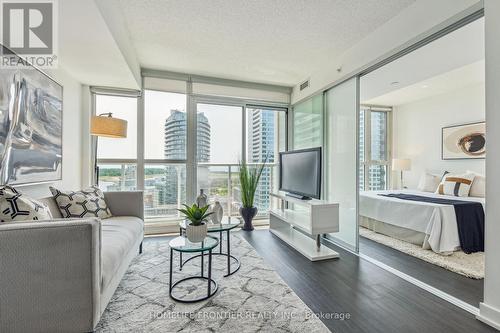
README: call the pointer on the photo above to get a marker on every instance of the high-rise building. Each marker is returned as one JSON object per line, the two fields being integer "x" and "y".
{"x": 262, "y": 127}
{"x": 175, "y": 148}
{"x": 377, "y": 174}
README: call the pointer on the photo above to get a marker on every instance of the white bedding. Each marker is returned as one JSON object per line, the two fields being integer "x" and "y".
{"x": 437, "y": 221}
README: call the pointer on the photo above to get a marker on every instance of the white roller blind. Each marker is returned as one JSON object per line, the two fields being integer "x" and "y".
{"x": 153, "y": 83}
{"x": 239, "y": 92}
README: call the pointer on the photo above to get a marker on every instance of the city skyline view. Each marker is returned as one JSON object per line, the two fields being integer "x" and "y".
{"x": 219, "y": 141}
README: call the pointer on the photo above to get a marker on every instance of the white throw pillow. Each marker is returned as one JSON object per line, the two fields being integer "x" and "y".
{"x": 478, "y": 188}
{"x": 15, "y": 206}
{"x": 85, "y": 203}
{"x": 429, "y": 182}
{"x": 457, "y": 185}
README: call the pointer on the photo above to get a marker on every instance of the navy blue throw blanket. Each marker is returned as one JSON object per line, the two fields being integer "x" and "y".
{"x": 470, "y": 219}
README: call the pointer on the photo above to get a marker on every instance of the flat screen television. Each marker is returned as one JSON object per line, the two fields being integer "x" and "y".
{"x": 300, "y": 173}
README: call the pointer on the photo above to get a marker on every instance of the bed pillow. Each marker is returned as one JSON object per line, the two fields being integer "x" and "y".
{"x": 478, "y": 188}
{"x": 85, "y": 203}
{"x": 457, "y": 185}
{"x": 15, "y": 206}
{"x": 429, "y": 182}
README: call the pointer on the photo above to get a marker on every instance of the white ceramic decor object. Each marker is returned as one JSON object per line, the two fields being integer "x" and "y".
{"x": 202, "y": 199}
{"x": 218, "y": 212}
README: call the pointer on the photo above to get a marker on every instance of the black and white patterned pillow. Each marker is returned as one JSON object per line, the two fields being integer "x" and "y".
{"x": 85, "y": 203}
{"x": 15, "y": 206}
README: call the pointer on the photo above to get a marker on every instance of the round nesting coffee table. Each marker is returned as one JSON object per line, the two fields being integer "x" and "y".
{"x": 227, "y": 224}
{"x": 183, "y": 245}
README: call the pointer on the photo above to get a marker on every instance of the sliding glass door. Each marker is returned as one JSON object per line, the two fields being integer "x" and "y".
{"x": 229, "y": 133}
{"x": 341, "y": 170}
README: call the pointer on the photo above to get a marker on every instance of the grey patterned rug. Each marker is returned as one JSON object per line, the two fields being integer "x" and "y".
{"x": 254, "y": 299}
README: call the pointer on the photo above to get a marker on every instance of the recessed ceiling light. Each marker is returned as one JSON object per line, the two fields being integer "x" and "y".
{"x": 393, "y": 83}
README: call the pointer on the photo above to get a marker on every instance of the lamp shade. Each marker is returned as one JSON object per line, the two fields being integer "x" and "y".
{"x": 401, "y": 164}
{"x": 108, "y": 127}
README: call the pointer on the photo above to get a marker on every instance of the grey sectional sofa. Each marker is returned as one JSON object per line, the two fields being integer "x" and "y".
{"x": 59, "y": 275}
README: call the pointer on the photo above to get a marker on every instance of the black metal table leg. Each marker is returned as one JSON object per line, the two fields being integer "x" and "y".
{"x": 180, "y": 253}
{"x": 202, "y": 255}
{"x": 220, "y": 242}
{"x": 209, "y": 272}
{"x": 228, "y": 253}
{"x": 171, "y": 271}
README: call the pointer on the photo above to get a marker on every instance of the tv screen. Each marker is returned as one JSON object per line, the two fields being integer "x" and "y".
{"x": 300, "y": 172}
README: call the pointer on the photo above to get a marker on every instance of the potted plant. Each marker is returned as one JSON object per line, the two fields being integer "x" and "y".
{"x": 196, "y": 229}
{"x": 249, "y": 180}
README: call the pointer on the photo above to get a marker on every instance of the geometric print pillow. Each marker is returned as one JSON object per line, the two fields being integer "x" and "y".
{"x": 15, "y": 206}
{"x": 456, "y": 185}
{"x": 85, "y": 203}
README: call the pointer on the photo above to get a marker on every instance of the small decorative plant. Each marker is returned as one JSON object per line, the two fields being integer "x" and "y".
{"x": 196, "y": 230}
{"x": 195, "y": 214}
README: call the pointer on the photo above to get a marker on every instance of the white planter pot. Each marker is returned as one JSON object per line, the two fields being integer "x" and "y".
{"x": 196, "y": 234}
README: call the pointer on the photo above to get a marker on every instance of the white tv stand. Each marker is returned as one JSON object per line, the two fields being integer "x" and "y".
{"x": 320, "y": 217}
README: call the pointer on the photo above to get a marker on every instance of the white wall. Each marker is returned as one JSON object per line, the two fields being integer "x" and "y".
{"x": 490, "y": 308}
{"x": 412, "y": 22}
{"x": 72, "y": 133}
{"x": 417, "y": 131}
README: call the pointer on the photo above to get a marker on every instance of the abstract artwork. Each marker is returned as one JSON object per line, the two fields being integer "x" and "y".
{"x": 467, "y": 141}
{"x": 30, "y": 126}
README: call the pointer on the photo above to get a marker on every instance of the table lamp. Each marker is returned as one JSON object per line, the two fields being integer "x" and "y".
{"x": 401, "y": 164}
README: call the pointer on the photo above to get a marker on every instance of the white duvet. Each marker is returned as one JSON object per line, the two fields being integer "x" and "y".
{"x": 437, "y": 221}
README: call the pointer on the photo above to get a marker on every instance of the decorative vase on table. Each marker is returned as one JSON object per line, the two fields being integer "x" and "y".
{"x": 196, "y": 233}
{"x": 217, "y": 213}
{"x": 248, "y": 213}
{"x": 202, "y": 199}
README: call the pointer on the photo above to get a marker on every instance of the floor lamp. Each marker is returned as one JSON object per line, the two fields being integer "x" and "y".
{"x": 107, "y": 126}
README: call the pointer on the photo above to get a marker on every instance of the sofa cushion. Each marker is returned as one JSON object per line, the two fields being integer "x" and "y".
{"x": 15, "y": 206}
{"x": 85, "y": 203}
{"x": 120, "y": 234}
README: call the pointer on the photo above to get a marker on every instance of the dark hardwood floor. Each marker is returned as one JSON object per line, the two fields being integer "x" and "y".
{"x": 376, "y": 300}
{"x": 463, "y": 288}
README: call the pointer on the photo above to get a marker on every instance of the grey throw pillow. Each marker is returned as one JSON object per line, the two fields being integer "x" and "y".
{"x": 85, "y": 203}
{"x": 15, "y": 206}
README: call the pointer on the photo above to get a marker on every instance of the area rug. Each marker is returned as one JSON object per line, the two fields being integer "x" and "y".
{"x": 470, "y": 265}
{"x": 254, "y": 299}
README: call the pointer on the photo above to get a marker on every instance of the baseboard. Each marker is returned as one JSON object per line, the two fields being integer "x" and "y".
{"x": 489, "y": 315}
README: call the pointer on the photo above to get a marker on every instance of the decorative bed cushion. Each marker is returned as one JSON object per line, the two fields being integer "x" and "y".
{"x": 15, "y": 206}
{"x": 429, "y": 182}
{"x": 478, "y": 188}
{"x": 85, "y": 203}
{"x": 456, "y": 185}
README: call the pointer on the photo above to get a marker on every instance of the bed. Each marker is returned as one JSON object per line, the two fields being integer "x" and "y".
{"x": 431, "y": 225}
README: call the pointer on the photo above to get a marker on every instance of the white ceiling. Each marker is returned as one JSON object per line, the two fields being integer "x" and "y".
{"x": 87, "y": 48}
{"x": 449, "y": 63}
{"x": 277, "y": 42}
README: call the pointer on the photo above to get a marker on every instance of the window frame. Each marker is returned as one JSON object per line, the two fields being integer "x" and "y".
{"x": 166, "y": 224}
{"x": 366, "y": 162}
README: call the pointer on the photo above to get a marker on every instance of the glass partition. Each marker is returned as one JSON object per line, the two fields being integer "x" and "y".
{"x": 308, "y": 123}
{"x": 341, "y": 158}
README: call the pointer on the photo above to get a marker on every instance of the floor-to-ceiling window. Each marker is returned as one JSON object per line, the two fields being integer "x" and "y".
{"x": 181, "y": 140}
{"x": 374, "y": 148}
{"x": 165, "y": 136}
{"x": 117, "y": 158}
